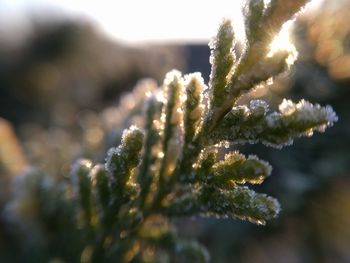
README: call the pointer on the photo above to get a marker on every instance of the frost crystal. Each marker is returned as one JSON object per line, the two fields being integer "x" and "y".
{"x": 287, "y": 107}
{"x": 259, "y": 106}
{"x": 109, "y": 165}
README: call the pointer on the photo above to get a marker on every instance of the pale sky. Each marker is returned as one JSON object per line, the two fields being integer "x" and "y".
{"x": 135, "y": 21}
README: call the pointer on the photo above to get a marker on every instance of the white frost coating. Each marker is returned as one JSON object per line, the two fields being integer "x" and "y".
{"x": 251, "y": 124}
{"x": 224, "y": 144}
{"x": 241, "y": 109}
{"x": 310, "y": 111}
{"x": 306, "y": 111}
{"x": 279, "y": 146}
{"x": 199, "y": 87}
{"x": 174, "y": 87}
{"x": 259, "y": 106}
{"x": 268, "y": 167}
{"x": 236, "y": 156}
{"x": 287, "y": 107}
{"x": 171, "y": 76}
{"x": 221, "y": 56}
{"x": 131, "y": 131}
{"x": 331, "y": 115}
{"x": 79, "y": 164}
{"x": 261, "y": 169}
{"x": 272, "y": 119}
{"x": 75, "y": 175}
{"x": 225, "y": 30}
{"x": 109, "y": 165}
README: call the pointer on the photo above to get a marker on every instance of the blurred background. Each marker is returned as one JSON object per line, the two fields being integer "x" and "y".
{"x": 65, "y": 65}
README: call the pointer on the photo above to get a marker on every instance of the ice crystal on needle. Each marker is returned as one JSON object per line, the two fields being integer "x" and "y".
{"x": 170, "y": 166}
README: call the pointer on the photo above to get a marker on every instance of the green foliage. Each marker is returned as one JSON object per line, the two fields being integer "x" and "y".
{"x": 170, "y": 166}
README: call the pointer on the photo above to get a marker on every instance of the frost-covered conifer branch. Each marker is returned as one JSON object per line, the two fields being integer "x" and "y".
{"x": 146, "y": 172}
{"x": 172, "y": 119}
{"x": 101, "y": 191}
{"x": 170, "y": 164}
{"x": 81, "y": 182}
{"x": 193, "y": 107}
{"x": 263, "y": 22}
{"x": 235, "y": 168}
{"x": 222, "y": 59}
{"x": 121, "y": 163}
{"x": 239, "y": 202}
{"x": 252, "y": 124}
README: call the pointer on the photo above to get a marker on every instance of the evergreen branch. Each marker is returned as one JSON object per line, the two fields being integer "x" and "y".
{"x": 252, "y": 124}
{"x": 81, "y": 183}
{"x": 172, "y": 118}
{"x": 236, "y": 168}
{"x": 222, "y": 59}
{"x": 120, "y": 164}
{"x": 238, "y": 202}
{"x": 121, "y": 212}
{"x": 153, "y": 108}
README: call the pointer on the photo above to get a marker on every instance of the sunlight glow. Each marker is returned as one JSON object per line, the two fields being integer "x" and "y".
{"x": 282, "y": 43}
{"x": 135, "y": 21}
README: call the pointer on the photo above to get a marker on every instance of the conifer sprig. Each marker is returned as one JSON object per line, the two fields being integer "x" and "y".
{"x": 170, "y": 166}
